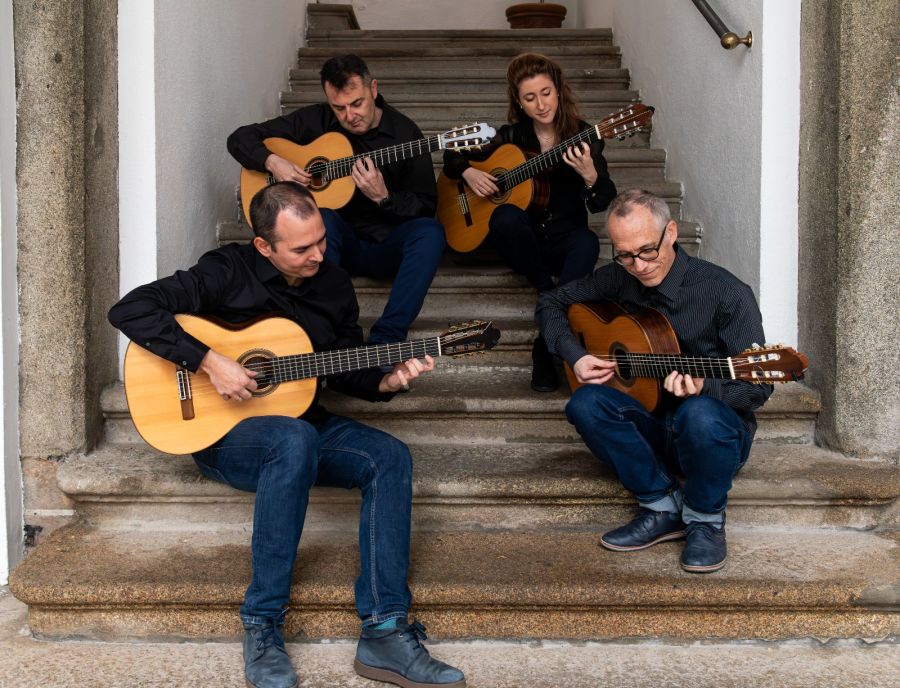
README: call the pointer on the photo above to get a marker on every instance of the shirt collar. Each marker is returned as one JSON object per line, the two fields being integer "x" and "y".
{"x": 268, "y": 272}
{"x": 672, "y": 281}
{"x": 387, "y": 125}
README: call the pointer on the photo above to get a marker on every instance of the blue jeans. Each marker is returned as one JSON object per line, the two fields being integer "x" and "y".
{"x": 570, "y": 256}
{"x": 703, "y": 440}
{"x": 280, "y": 459}
{"x": 409, "y": 255}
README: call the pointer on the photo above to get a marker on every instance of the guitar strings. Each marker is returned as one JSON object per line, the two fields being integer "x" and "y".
{"x": 342, "y": 167}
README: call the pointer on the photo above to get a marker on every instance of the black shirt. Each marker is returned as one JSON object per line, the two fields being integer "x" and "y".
{"x": 413, "y": 191}
{"x": 713, "y": 314}
{"x": 569, "y": 199}
{"x": 236, "y": 283}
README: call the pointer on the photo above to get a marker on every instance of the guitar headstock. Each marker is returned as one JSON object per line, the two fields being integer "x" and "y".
{"x": 626, "y": 122}
{"x": 467, "y": 136}
{"x": 769, "y": 363}
{"x": 468, "y": 338}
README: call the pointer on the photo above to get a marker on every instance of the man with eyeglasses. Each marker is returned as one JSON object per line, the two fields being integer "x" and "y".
{"x": 680, "y": 460}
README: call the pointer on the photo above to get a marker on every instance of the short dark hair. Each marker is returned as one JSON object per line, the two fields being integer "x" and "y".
{"x": 339, "y": 70}
{"x": 271, "y": 200}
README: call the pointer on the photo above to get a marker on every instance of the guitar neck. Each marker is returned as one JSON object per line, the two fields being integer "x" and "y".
{"x": 660, "y": 365}
{"x": 318, "y": 364}
{"x": 545, "y": 160}
{"x": 342, "y": 167}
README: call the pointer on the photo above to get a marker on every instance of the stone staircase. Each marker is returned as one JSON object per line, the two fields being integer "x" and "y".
{"x": 508, "y": 503}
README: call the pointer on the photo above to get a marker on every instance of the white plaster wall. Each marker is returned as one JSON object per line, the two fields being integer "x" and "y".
{"x": 596, "y": 13}
{"x": 709, "y": 116}
{"x": 137, "y": 148}
{"x": 445, "y": 14}
{"x": 10, "y": 477}
{"x": 218, "y": 64}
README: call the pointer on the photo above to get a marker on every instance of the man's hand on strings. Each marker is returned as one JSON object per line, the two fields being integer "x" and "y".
{"x": 482, "y": 183}
{"x": 403, "y": 373}
{"x": 285, "y": 171}
{"x": 683, "y": 385}
{"x": 369, "y": 180}
{"x": 590, "y": 370}
{"x": 231, "y": 380}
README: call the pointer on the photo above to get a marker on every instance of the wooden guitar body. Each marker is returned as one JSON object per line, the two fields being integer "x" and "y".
{"x": 334, "y": 193}
{"x": 465, "y": 215}
{"x": 165, "y": 422}
{"x": 605, "y": 329}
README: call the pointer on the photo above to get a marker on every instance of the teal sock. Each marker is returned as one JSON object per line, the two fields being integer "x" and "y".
{"x": 386, "y": 625}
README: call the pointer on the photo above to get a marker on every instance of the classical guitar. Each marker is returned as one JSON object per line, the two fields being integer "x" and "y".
{"x": 330, "y": 159}
{"x": 465, "y": 215}
{"x": 178, "y": 412}
{"x": 645, "y": 349}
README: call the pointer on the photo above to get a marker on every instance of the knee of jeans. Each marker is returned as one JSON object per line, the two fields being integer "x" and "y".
{"x": 392, "y": 458}
{"x": 586, "y": 243}
{"x": 509, "y": 219}
{"x": 296, "y": 447}
{"x": 430, "y": 234}
{"x": 588, "y": 403}
{"x": 701, "y": 417}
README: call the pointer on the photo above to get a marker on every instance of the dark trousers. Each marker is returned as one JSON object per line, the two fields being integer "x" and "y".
{"x": 409, "y": 255}
{"x": 703, "y": 439}
{"x": 570, "y": 256}
{"x": 280, "y": 459}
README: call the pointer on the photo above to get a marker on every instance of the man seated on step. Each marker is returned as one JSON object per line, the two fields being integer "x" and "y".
{"x": 679, "y": 462}
{"x": 281, "y": 458}
{"x": 387, "y": 230}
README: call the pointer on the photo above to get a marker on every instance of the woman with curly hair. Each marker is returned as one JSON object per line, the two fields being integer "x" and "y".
{"x": 556, "y": 242}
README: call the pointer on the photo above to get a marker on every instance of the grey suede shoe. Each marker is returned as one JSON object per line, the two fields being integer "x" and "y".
{"x": 266, "y": 663}
{"x": 395, "y": 655}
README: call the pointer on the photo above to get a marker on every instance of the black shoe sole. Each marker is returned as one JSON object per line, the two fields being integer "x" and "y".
{"x": 251, "y": 685}
{"x": 389, "y": 676}
{"x": 676, "y": 535}
{"x": 544, "y": 388}
{"x": 710, "y": 568}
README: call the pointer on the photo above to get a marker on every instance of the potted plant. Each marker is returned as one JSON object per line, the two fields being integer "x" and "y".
{"x": 535, "y": 15}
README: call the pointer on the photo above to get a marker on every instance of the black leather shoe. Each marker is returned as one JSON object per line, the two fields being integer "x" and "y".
{"x": 543, "y": 368}
{"x": 705, "y": 550}
{"x": 266, "y": 663}
{"x": 644, "y": 530}
{"x": 395, "y": 655}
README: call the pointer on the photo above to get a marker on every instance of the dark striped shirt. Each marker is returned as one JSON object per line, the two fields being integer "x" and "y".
{"x": 713, "y": 314}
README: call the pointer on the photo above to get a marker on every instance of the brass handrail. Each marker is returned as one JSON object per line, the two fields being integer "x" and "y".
{"x": 728, "y": 39}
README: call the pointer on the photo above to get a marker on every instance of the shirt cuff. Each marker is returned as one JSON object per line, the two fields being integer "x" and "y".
{"x": 191, "y": 352}
{"x": 570, "y": 351}
{"x": 712, "y": 387}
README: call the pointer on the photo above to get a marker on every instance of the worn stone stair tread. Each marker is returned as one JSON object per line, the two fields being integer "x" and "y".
{"x": 586, "y": 52}
{"x": 460, "y": 97}
{"x": 548, "y": 472}
{"x": 492, "y": 37}
{"x": 779, "y": 582}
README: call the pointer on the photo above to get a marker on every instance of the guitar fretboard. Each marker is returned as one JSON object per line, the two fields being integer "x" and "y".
{"x": 342, "y": 167}
{"x": 316, "y": 364}
{"x": 660, "y": 365}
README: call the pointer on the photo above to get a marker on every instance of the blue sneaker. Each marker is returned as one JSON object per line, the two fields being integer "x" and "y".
{"x": 396, "y": 656}
{"x": 266, "y": 663}
{"x": 644, "y": 530}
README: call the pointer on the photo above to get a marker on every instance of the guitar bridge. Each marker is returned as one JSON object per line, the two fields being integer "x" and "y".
{"x": 463, "y": 201}
{"x": 183, "y": 378}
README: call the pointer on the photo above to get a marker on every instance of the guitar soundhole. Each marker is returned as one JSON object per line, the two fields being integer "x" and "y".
{"x": 623, "y": 365}
{"x": 260, "y": 360}
{"x": 503, "y": 195}
{"x": 316, "y": 168}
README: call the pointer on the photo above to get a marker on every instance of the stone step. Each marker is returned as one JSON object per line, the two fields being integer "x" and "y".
{"x": 474, "y": 79}
{"x": 30, "y": 662}
{"x": 470, "y": 486}
{"x": 461, "y": 96}
{"x": 492, "y": 405}
{"x": 779, "y": 583}
{"x": 381, "y": 59}
{"x": 521, "y": 40}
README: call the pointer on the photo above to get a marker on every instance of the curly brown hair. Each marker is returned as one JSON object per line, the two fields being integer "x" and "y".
{"x": 528, "y": 65}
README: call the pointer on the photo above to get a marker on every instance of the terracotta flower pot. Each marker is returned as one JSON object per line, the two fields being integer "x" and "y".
{"x": 535, "y": 15}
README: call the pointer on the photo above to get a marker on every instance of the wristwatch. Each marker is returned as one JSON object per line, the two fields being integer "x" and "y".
{"x": 385, "y": 202}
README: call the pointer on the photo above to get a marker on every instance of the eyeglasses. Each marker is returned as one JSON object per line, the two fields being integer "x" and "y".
{"x": 646, "y": 254}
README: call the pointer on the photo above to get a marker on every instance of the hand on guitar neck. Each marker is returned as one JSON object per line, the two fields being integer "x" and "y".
{"x": 683, "y": 385}
{"x": 284, "y": 170}
{"x": 402, "y": 373}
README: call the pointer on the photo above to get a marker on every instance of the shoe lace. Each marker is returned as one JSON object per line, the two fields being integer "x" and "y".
{"x": 704, "y": 530}
{"x": 267, "y": 635}
{"x": 415, "y": 633}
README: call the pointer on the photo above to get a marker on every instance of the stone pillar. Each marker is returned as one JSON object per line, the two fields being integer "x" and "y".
{"x": 849, "y": 210}
{"x": 66, "y": 167}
